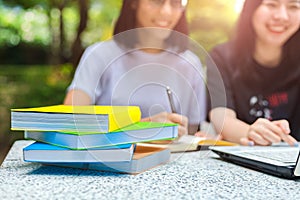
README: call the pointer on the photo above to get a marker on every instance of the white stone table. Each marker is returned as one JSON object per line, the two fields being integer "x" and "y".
{"x": 194, "y": 175}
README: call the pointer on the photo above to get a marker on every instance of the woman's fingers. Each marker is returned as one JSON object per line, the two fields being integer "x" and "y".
{"x": 283, "y": 125}
{"x": 289, "y": 139}
{"x": 285, "y": 131}
{"x": 246, "y": 142}
{"x": 265, "y": 132}
{"x": 165, "y": 117}
{"x": 257, "y": 138}
{"x": 178, "y": 119}
{"x": 182, "y": 131}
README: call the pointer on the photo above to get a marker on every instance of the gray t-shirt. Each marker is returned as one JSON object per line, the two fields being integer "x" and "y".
{"x": 112, "y": 75}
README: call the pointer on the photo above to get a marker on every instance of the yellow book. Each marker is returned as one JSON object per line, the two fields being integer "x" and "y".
{"x": 92, "y": 118}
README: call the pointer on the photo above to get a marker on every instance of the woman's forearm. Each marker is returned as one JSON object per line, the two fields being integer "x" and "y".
{"x": 226, "y": 124}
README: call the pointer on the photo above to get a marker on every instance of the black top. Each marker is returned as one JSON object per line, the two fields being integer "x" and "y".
{"x": 255, "y": 91}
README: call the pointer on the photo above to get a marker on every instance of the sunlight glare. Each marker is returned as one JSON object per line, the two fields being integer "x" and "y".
{"x": 184, "y": 2}
{"x": 239, "y": 5}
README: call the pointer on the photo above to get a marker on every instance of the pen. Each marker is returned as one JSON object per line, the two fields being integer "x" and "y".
{"x": 171, "y": 100}
{"x": 284, "y": 144}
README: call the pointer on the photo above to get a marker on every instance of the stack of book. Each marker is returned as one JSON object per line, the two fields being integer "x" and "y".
{"x": 92, "y": 137}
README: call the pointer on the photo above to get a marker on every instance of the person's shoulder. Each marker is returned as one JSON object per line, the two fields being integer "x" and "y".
{"x": 104, "y": 49}
{"x": 191, "y": 57}
{"x": 102, "y": 45}
{"x": 222, "y": 48}
{"x": 222, "y": 52}
{"x": 189, "y": 54}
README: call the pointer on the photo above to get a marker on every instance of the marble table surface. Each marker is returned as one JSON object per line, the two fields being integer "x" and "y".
{"x": 193, "y": 175}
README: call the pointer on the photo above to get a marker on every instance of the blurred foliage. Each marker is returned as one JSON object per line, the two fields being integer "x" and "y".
{"x": 20, "y": 25}
{"x": 211, "y": 21}
{"x": 28, "y": 86}
{"x": 102, "y": 16}
{"x": 37, "y": 22}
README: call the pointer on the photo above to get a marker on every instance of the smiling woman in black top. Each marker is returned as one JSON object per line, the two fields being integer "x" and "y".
{"x": 260, "y": 75}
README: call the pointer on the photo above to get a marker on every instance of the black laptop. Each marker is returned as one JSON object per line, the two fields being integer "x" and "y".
{"x": 282, "y": 161}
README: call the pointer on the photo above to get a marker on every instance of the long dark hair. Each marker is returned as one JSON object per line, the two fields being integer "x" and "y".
{"x": 244, "y": 38}
{"x": 127, "y": 21}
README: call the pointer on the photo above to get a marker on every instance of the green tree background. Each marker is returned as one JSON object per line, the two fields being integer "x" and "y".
{"x": 41, "y": 42}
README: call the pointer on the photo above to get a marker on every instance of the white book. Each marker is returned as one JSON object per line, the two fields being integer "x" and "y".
{"x": 144, "y": 158}
{"x": 41, "y": 152}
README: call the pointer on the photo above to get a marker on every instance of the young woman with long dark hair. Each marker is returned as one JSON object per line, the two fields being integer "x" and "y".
{"x": 148, "y": 52}
{"x": 260, "y": 70}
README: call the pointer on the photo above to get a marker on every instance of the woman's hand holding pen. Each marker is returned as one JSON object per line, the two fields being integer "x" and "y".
{"x": 266, "y": 132}
{"x": 165, "y": 117}
{"x": 173, "y": 117}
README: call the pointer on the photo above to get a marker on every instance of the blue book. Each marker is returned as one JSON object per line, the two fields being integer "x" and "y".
{"x": 41, "y": 152}
{"x": 144, "y": 158}
{"x": 138, "y": 132}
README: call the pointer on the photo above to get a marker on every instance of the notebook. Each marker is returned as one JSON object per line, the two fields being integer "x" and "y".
{"x": 188, "y": 143}
{"x": 282, "y": 161}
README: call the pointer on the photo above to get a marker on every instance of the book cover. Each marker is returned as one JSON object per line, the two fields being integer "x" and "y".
{"x": 41, "y": 152}
{"x": 144, "y": 158}
{"x": 188, "y": 143}
{"x": 138, "y": 132}
{"x": 91, "y": 118}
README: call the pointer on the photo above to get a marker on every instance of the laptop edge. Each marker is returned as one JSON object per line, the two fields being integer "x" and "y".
{"x": 288, "y": 172}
